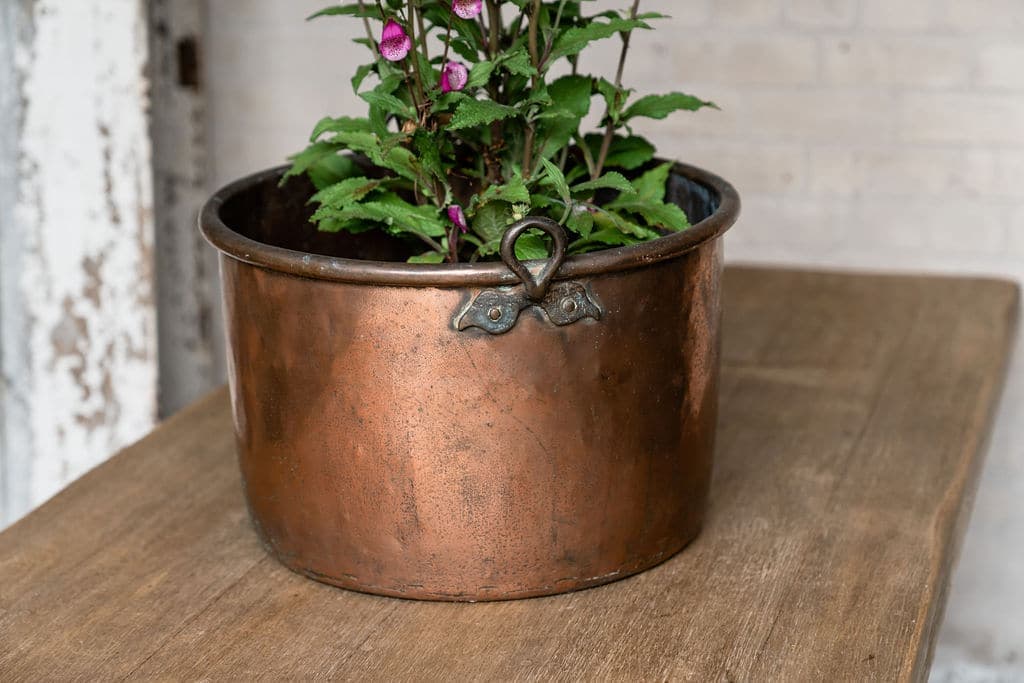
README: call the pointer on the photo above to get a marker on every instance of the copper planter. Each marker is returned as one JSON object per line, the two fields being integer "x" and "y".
{"x": 386, "y": 450}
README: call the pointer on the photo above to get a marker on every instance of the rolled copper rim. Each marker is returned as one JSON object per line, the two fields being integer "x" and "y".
{"x": 490, "y": 274}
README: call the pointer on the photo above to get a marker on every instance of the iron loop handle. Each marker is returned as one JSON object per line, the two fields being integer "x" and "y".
{"x": 536, "y": 286}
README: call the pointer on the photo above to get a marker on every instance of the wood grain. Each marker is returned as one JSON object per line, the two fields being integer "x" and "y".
{"x": 854, "y": 416}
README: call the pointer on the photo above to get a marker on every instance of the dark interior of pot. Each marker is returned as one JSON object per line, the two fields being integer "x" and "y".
{"x": 261, "y": 210}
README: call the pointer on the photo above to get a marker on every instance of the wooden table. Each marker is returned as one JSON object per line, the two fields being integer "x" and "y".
{"x": 855, "y": 411}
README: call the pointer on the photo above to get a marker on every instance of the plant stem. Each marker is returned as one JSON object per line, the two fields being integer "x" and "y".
{"x": 497, "y": 132}
{"x": 483, "y": 30}
{"x": 421, "y": 108}
{"x": 532, "y": 35}
{"x": 409, "y": 85}
{"x": 554, "y": 32}
{"x": 531, "y": 130}
{"x": 431, "y": 242}
{"x": 517, "y": 27}
{"x": 609, "y": 132}
{"x": 423, "y": 32}
{"x": 494, "y": 14}
{"x": 588, "y": 156}
{"x": 369, "y": 31}
{"x": 453, "y": 245}
{"x": 447, "y": 40}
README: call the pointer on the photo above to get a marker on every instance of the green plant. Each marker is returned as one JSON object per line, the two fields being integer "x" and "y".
{"x": 453, "y": 152}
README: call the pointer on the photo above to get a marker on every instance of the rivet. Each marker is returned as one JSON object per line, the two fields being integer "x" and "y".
{"x": 568, "y": 305}
{"x": 494, "y": 314}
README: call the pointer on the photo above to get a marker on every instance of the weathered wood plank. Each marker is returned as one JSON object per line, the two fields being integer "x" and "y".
{"x": 854, "y": 415}
{"x": 77, "y": 317}
{"x": 15, "y": 466}
{"x": 188, "y": 289}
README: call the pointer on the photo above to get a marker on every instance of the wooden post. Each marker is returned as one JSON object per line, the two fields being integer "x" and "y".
{"x": 190, "y": 327}
{"x": 77, "y": 316}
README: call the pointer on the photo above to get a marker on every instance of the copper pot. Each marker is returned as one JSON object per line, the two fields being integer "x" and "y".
{"x": 472, "y": 431}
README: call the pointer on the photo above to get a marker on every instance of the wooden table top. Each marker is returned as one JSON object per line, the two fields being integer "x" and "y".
{"x": 855, "y": 411}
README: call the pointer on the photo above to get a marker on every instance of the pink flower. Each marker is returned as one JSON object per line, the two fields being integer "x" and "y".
{"x": 394, "y": 42}
{"x": 454, "y": 77}
{"x": 467, "y": 9}
{"x": 456, "y": 216}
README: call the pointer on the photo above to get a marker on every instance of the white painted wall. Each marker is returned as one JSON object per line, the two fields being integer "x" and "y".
{"x": 879, "y": 134}
{"x": 77, "y": 325}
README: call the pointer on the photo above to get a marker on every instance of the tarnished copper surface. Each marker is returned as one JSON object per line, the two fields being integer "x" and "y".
{"x": 383, "y": 450}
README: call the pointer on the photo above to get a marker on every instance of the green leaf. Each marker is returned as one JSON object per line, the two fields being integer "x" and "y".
{"x": 610, "y": 181}
{"x": 514, "y": 192}
{"x": 403, "y": 162}
{"x": 354, "y": 227}
{"x": 611, "y": 219}
{"x": 557, "y": 179}
{"x": 428, "y": 257}
{"x": 646, "y": 16}
{"x": 667, "y": 216}
{"x": 602, "y": 239}
{"x": 362, "y": 72}
{"x": 531, "y": 246}
{"x": 367, "y": 10}
{"x": 518, "y": 63}
{"x": 480, "y": 74}
{"x": 466, "y": 39}
{"x": 378, "y": 120}
{"x": 449, "y": 101}
{"x": 490, "y": 223}
{"x": 389, "y": 103}
{"x": 473, "y": 113}
{"x": 660, "y": 106}
{"x": 465, "y": 49}
{"x": 614, "y": 97}
{"x": 570, "y": 97}
{"x": 344, "y": 124}
{"x": 651, "y": 185}
{"x": 345, "y": 192}
{"x": 428, "y": 150}
{"x": 540, "y": 96}
{"x": 627, "y": 153}
{"x": 396, "y": 214}
{"x": 572, "y": 94}
{"x": 313, "y": 154}
{"x": 580, "y": 221}
{"x": 353, "y": 138}
{"x": 573, "y": 40}
{"x": 649, "y": 201}
{"x": 332, "y": 169}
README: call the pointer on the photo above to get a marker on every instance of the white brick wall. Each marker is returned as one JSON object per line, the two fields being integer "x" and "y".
{"x": 859, "y": 132}
{"x": 882, "y": 134}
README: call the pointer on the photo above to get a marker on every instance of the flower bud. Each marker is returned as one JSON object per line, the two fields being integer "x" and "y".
{"x": 454, "y": 76}
{"x": 395, "y": 43}
{"x": 467, "y": 9}
{"x": 458, "y": 217}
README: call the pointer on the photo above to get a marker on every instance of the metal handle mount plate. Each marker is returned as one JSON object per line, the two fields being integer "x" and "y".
{"x": 497, "y": 310}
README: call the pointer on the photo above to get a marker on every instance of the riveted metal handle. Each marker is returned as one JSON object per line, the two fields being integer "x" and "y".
{"x": 496, "y": 310}
{"x": 536, "y": 286}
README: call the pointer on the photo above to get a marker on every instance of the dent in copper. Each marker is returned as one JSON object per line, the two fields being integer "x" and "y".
{"x": 385, "y": 451}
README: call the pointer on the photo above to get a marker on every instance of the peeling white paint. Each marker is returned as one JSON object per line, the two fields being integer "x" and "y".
{"x": 84, "y": 207}
{"x": 15, "y": 445}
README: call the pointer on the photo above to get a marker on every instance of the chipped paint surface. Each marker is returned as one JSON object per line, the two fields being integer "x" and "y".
{"x": 191, "y": 330}
{"x": 84, "y": 214}
{"x": 15, "y": 29}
